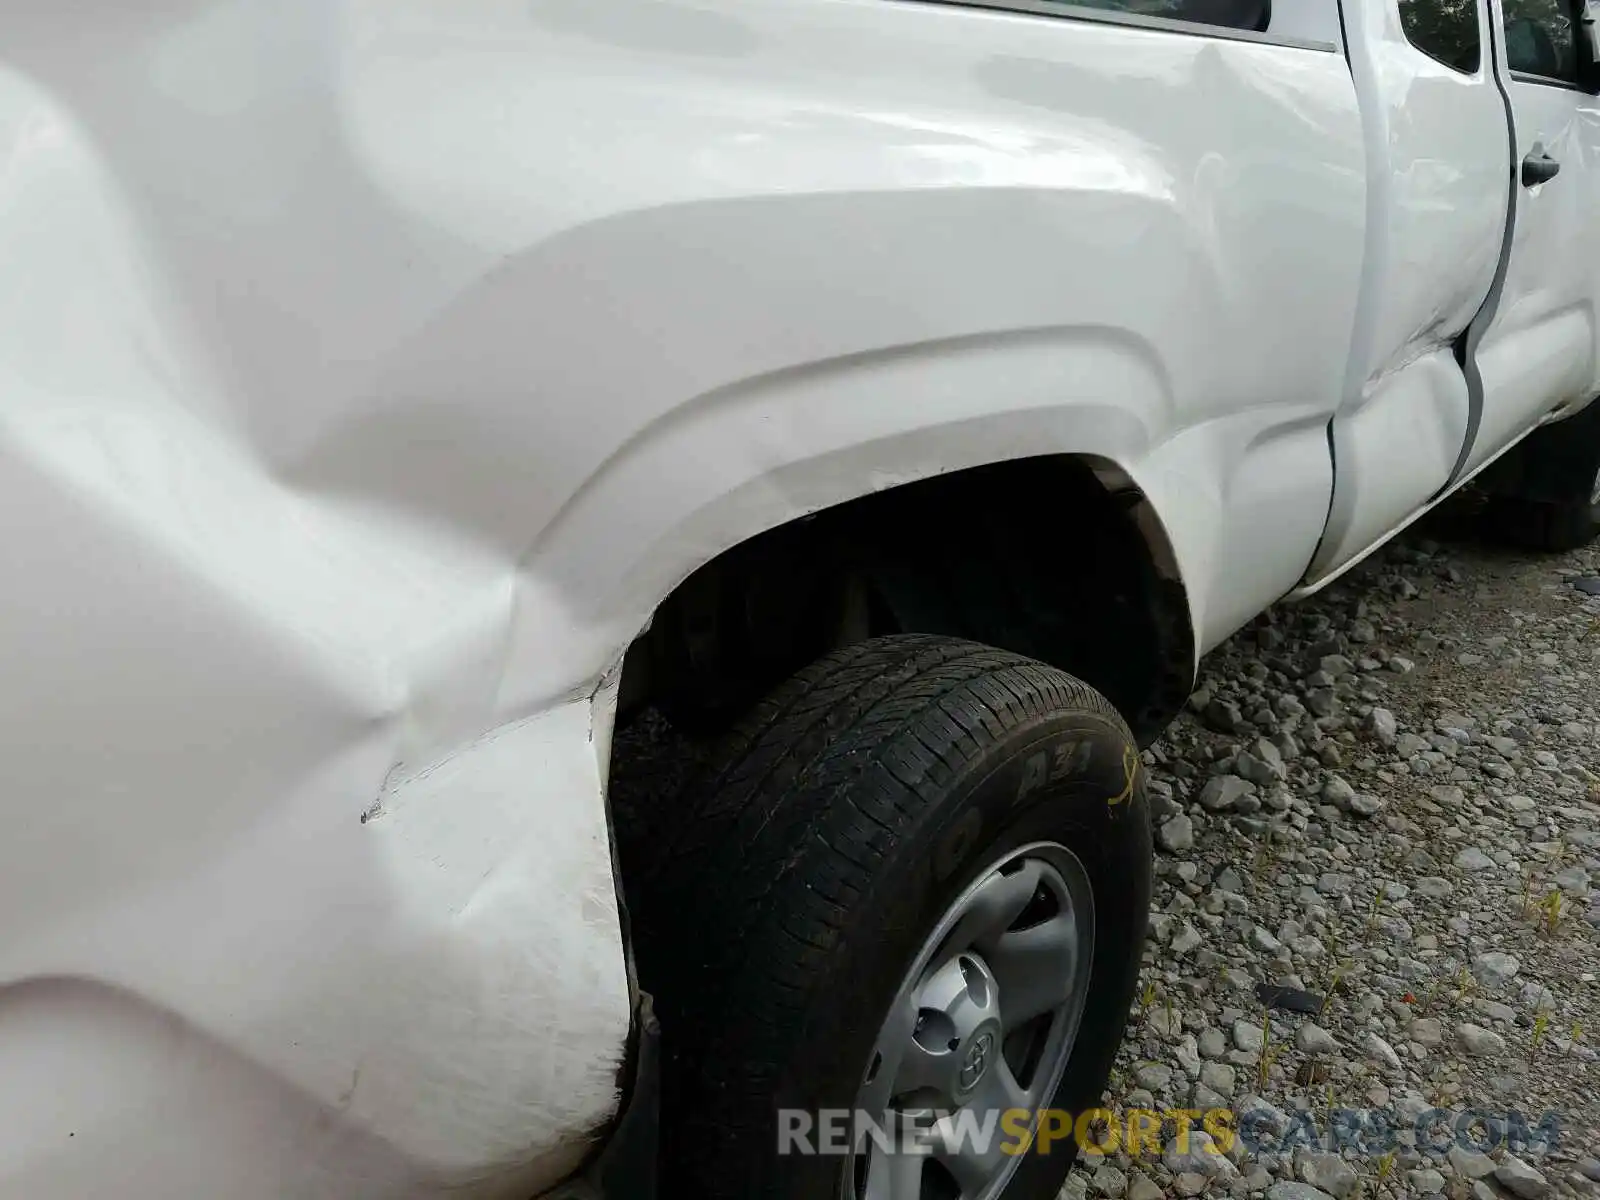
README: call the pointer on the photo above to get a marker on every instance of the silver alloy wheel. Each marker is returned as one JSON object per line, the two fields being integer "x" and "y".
{"x": 984, "y": 1022}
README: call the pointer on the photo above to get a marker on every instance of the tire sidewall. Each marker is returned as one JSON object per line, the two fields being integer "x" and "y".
{"x": 1069, "y": 778}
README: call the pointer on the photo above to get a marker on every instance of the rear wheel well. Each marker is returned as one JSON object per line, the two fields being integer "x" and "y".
{"x": 1053, "y": 557}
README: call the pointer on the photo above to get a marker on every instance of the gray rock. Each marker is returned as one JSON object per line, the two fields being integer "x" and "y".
{"x": 1534, "y": 995}
{"x": 1382, "y": 725}
{"x": 1469, "y": 1164}
{"x": 1224, "y": 792}
{"x": 1518, "y": 1178}
{"x": 1143, "y": 1188}
{"x": 1433, "y": 887}
{"x": 1288, "y": 706}
{"x": 1200, "y": 1156}
{"x": 1477, "y": 1040}
{"x": 1494, "y": 969}
{"x": 1409, "y": 745}
{"x": 1425, "y": 1181}
{"x": 1313, "y": 1039}
{"x": 1213, "y": 1043}
{"x": 1263, "y": 941}
{"x": 1364, "y": 805}
{"x": 1573, "y": 880}
{"x": 1380, "y": 1051}
{"x": 1262, "y": 1116}
{"x": 1228, "y": 880}
{"x": 1108, "y": 1181}
{"x": 1292, "y": 1190}
{"x": 1188, "y": 1054}
{"x": 1496, "y": 1011}
{"x": 1163, "y": 807}
{"x": 1219, "y": 1077}
{"x": 1247, "y": 1036}
{"x": 1410, "y": 1107}
{"x": 1420, "y": 860}
{"x": 1186, "y": 939}
{"x": 1165, "y": 1022}
{"x": 1257, "y": 1179}
{"x": 1262, "y": 764}
{"x": 1177, "y": 835}
{"x": 1154, "y": 1076}
{"x": 1326, "y": 1171}
{"x": 1474, "y": 860}
{"x": 1323, "y": 702}
{"x": 1589, "y": 1168}
{"x": 1337, "y": 791}
{"x": 1224, "y": 716}
{"x": 1426, "y": 1031}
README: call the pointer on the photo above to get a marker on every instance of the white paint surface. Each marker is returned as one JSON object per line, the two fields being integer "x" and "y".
{"x": 1541, "y": 350}
{"x": 369, "y": 371}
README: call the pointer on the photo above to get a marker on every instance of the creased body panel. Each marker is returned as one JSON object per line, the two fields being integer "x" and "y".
{"x": 1438, "y": 189}
{"x": 369, "y": 371}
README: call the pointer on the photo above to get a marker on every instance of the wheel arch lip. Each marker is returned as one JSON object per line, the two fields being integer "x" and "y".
{"x": 670, "y": 502}
{"x": 1171, "y": 603}
{"x": 1133, "y": 549}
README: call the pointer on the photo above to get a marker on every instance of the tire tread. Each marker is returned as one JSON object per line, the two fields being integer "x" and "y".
{"x": 789, "y": 822}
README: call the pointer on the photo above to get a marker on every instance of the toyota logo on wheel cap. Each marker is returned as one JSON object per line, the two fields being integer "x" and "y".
{"x": 977, "y": 1060}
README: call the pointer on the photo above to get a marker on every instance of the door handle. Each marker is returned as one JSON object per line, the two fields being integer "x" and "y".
{"x": 1538, "y": 168}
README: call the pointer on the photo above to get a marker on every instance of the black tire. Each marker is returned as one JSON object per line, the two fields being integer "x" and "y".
{"x": 816, "y": 853}
{"x": 1544, "y": 495}
{"x": 1546, "y": 526}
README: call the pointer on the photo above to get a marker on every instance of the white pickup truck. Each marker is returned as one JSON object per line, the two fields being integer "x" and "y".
{"x": 897, "y": 395}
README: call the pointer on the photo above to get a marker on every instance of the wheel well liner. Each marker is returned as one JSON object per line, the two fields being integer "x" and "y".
{"x": 1055, "y": 557}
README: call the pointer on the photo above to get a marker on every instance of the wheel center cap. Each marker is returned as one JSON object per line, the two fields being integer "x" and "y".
{"x": 978, "y": 1059}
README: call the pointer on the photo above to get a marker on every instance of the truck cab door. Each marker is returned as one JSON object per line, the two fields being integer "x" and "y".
{"x": 1537, "y": 351}
{"x": 1438, "y": 157}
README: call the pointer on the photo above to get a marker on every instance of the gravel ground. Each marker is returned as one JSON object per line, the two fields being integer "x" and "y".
{"x": 1388, "y": 796}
